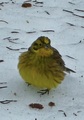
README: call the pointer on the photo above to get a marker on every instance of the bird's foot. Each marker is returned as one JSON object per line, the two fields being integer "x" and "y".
{"x": 42, "y": 92}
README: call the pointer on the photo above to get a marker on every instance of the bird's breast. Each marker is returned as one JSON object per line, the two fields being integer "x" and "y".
{"x": 45, "y": 52}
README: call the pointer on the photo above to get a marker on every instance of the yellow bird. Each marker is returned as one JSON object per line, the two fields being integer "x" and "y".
{"x": 42, "y": 65}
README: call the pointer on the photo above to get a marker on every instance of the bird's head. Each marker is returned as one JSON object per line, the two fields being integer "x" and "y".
{"x": 42, "y": 46}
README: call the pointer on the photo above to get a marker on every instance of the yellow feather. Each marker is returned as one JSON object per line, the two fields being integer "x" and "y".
{"x": 42, "y": 65}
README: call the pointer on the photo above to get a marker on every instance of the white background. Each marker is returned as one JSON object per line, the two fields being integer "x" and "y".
{"x": 67, "y": 39}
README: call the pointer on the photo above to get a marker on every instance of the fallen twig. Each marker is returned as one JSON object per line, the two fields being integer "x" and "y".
{"x": 12, "y": 42}
{"x": 31, "y": 32}
{"x": 16, "y": 49}
{"x": 82, "y": 26}
{"x": 67, "y": 11}
{"x": 74, "y": 25}
{"x": 23, "y": 48}
{"x": 3, "y": 21}
{"x": 70, "y": 24}
{"x": 73, "y": 13}
{"x": 12, "y": 2}
{"x": 75, "y": 114}
{"x": 63, "y": 112}
{"x": 78, "y": 15}
{"x": 71, "y": 3}
{"x": 79, "y": 111}
{"x": 1, "y": 3}
{"x": 36, "y": 2}
{"x": 3, "y": 82}
{"x": 70, "y": 57}
{"x": 81, "y": 41}
{"x": 1, "y": 60}
{"x": 14, "y": 32}
{"x": 47, "y": 12}
{"x": 47, "y": 31}
{"x": 9, "y": 38}
{"x": 12, "y": 49}
{"x": 4, "y": 3}
{"x": 7, "y": 101}
{"x": 79, "y": 10}
{"x": 3, "y": 87}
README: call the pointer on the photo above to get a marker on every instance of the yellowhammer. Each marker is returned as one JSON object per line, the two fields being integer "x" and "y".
{"x": 42, "y": 65}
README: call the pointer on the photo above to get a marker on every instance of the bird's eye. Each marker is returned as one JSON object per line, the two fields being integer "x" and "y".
{"x": 40, "y": 44}
{"x": 37, "y": 45}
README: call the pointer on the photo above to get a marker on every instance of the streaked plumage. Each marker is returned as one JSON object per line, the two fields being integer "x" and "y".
{"x": 42, "y": 65}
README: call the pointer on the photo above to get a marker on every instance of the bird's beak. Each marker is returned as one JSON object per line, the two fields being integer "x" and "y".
{"x": 47, "y": 46}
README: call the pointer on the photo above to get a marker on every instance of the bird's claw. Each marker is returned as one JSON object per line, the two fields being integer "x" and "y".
{"x": 42, "y": 92}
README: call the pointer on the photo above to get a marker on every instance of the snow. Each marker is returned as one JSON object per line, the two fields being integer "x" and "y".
{"x": 68, "y": 39}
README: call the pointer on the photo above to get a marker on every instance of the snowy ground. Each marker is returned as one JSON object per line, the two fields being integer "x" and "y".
{"x": 63, "y": 22}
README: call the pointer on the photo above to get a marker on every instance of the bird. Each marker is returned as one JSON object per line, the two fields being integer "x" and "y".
{"x": 42, "y": 65}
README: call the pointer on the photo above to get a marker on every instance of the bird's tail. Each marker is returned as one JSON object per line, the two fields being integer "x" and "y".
{"x": 69, "y": 70}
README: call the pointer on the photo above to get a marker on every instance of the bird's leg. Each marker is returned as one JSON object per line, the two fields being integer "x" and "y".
{"x": 42, "y": 92}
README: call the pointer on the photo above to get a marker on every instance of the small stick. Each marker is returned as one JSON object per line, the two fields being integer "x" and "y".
{"x": 39, "y": 2}
{"x": 75, "y": 114}
{"x": 63, "y": 112}
{"x": 82, "y": 26}
{"x": 73, "y": 13}
{"x": 71, "y": 24}
{"x": 3, "y": 21}
{"x": 7, "y": 101}
{"x": 3, "y": 82}
{"x": 70, "y": 57}
{"x": 31, "y": 32}
{"x": 47, "y": 31}
{"x": 14, "y": 32}
{"x": 12, "y": 42}
{"x": 3, "y": 87}
{"x": 12, "y": 49}
{"x": 1, "y": 60}
{"x": 71, "y": 3}
{"x": 78, "y": 15}
{"x": 23, "y": 48}
{"x": 79, "y": 10}
{"x": 67, "y": 11}
{"x": 16, "y": 49}
{"x": 9, "y": 38}
{"x": 47, "y": 12}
